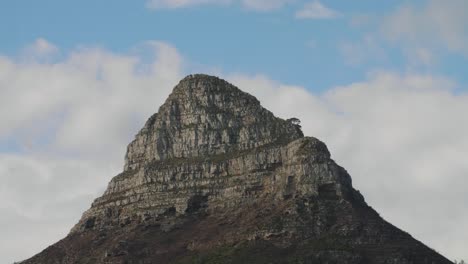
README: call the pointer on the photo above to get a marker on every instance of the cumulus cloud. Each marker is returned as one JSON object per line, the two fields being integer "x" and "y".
{"x": 67, "y": 124}
{"x": 42, "y": 197}
{"x": 439, "y": 24}
{"x": 403, "y": 138}
{"x": 424, "y": 33}
{"x": 41, "y": 49}
{"x": 258, "y": 5}
{"x": 316, "y": 10}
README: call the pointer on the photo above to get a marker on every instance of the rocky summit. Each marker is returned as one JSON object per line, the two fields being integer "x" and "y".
{"x": 213, "y": 177}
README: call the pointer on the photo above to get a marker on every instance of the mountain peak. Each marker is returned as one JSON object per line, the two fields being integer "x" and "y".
{"x": 201, "y": 77}
{"x": 205, "y": 116}
{"x": 208, "y": 83}
{"x": 213, "y": 177}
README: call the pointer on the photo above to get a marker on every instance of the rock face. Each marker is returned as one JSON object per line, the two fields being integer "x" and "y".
{"x": 214, "y": 177}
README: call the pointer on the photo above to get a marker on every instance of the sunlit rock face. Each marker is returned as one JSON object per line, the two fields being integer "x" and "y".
{"x": 214, "y": 177}
{"x": 206, "y": 116}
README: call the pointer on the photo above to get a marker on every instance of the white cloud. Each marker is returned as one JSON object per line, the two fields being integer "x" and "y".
{"x": 41, "y": 47}
{"x": 72, "y": 120}
{"x": 258, "y": 5}
{"x": 403, "y": 138}
{"x": 84, "y": 92}
{"x": 439, "y": 24}
{"x": 40, "y": 51}
{"x": 42, "y": 197}
{"x": 424, "y": 33}
{"x": 316, "y": 10}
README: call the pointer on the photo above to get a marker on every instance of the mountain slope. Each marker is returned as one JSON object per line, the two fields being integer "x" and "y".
{"x": 213, "y": 177}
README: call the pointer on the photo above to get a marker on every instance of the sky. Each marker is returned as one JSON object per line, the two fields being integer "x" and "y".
{"x": 383, "y": 83}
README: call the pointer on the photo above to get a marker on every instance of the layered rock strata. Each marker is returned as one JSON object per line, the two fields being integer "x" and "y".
{"x": 214, "y": 177}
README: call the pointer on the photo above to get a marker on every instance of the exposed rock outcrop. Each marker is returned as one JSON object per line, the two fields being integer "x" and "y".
{"x": 213, "y": 177}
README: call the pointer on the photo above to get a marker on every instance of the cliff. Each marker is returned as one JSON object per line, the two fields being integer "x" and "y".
{"x": 213, "y": 177}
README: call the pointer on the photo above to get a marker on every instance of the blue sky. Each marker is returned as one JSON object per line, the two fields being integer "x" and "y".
{"x": 231, "y": 37}
{"x": 382, "y": 83}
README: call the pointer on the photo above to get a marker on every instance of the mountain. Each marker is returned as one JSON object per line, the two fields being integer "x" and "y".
{"x": 213, "y": 177}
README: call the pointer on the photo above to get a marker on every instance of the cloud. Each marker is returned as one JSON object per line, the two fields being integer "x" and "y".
{"x": 41, "y": 49}
{"x": 403, "y": 138}
{"x": 439, "y": 24}
{"x": 258, "y": 5}
{"x": 69, "y": 123}
{"x": 316, "y": 10}
{"x": 424, "y": 33}
{"x": 85, "y": 91}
